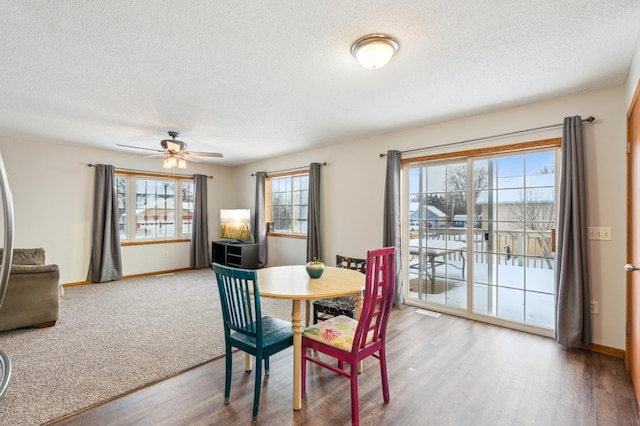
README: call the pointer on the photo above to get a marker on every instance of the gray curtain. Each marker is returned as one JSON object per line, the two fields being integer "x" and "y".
{"x": 106, "y": 262}
{"x": 200, "y": 236}
{"x": 573, "y": 318}
{"x": 391, "y": 227}
{"x": 313, "y": 217}
{"x": 259, "y": 227}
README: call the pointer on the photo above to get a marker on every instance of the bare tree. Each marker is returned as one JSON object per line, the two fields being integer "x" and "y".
{"x": 187, "y": 193}
{"x": 457, "y": 186}
{"x": 545, "y": 170}
{"x": 536, "y": 211}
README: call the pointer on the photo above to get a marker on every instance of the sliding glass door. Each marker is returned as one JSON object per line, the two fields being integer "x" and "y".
{"x": 479, "y": 234}
{"x": 437, "y": 214}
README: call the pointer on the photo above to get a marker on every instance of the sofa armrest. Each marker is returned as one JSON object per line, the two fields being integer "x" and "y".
{"x": 32, "y": 297}
{"x": 33, "y": 269}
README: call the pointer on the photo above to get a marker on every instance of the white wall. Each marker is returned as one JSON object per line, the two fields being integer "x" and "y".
{"x": 353, "y": 185}
{"x": 633, "y": 79}
{"x": 52, "y": 188}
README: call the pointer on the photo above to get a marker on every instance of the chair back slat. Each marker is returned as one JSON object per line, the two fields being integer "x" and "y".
{"x": 378, "y": 297}
{"x": 353, "y": 263}
{"x": 240, "y": 300}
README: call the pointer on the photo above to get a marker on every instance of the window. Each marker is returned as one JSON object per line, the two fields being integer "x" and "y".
{"x": 154, "y": 208}
{"x": 288, "y": 199}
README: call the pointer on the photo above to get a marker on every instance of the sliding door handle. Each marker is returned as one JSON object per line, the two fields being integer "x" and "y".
{"x": 630, "y": 268}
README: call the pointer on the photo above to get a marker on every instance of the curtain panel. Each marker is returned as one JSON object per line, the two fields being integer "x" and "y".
{"x": 392, "y": 218}
{"x": 313, "y": 217}
{"x": 260, "y": 227}
{"x": 106, "y": 261}
{"x": 572, "y": 283}
{"x": 200, "y": 233}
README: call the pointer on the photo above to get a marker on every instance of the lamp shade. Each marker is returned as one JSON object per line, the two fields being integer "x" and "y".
{"x": 169, "y": 162}
{"x": 374, "y": 51}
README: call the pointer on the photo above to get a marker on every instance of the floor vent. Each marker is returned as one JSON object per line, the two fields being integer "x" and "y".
{"x": 429, "y": 313}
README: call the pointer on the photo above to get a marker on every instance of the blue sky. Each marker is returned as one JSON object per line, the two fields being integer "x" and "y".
{"x": 506, "y": 166}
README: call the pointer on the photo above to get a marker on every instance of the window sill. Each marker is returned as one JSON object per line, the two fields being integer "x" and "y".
{"x": 142, "y": 243}
{"x": 285, "y": 235}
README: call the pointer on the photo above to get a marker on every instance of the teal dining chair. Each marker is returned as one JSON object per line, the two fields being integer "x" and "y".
{"x": 244, "y": 326}
{"x": 349, "y": 340}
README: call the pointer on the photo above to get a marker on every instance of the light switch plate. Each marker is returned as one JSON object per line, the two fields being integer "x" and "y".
{"x": 600, "y": 233}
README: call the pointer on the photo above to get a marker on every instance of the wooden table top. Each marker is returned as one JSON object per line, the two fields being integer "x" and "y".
{"x": 293, "y": 283}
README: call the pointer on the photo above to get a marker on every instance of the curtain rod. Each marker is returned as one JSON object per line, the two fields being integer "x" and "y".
{"x": 289, "y": 170}
{"x": 153, "y": 173}
{"x": 590, "y": 119}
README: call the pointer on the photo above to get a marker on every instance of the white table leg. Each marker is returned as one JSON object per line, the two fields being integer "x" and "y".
{"x": 296, "y": 326}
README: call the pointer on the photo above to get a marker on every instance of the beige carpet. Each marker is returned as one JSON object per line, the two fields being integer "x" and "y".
{"x": 112, "y": 338}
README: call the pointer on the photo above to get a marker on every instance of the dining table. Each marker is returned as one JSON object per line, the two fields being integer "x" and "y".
{"x": 293, "y": 283}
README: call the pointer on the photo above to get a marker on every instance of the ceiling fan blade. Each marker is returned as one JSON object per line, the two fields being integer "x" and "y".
{"x": 154, "y": 155}
{"x": 206, "y": 154}
{"x": 139, "y": 147}
{"x": 187, "y": 156}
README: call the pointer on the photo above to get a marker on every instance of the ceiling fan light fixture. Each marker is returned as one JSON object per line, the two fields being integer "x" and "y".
{"x": 374, "y": 51}
{"x": 175, "y": 152}
{"x": 170, "y": 162}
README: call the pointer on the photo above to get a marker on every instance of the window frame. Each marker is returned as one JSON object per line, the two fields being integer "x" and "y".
{"x": 291, "y": 175}
{"x": 473, "y": 155}
{"x": 130, "y": 196}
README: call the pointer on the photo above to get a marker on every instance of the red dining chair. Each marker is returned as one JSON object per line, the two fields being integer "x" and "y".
{"x": 349, "y": 340}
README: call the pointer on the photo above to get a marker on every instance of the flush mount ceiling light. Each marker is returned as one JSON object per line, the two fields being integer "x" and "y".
{"x": 374, "y": 51}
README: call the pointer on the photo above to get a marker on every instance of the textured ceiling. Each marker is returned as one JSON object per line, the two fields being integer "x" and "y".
{"x": 255, "y": 79}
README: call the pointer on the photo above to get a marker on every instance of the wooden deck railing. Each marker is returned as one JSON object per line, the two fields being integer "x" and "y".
{"x": 509, "y": 247}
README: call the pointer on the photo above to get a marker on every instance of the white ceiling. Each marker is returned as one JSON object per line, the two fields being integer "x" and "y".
{"x": 255, "y": 79}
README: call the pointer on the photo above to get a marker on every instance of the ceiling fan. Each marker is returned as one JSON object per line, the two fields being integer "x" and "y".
{"x": 175, "y": 152}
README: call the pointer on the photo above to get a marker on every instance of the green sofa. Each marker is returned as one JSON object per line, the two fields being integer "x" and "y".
{"x": 33, "y": 293}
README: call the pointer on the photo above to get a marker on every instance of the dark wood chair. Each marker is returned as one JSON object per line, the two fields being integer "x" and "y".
{"x": 349, "y": 340}
{"x": 328, "y": 308}
{"x": 244, "y": 326}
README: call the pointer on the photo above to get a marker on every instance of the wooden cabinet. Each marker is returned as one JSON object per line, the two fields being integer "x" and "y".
{"x": 236, "y": 255}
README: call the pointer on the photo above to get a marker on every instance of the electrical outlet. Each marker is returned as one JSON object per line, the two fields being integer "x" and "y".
{"x": 595, "y": 308}
{"x": 165, "y": 254}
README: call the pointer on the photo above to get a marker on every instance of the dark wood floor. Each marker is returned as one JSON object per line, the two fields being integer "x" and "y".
{"x": 442, "y": 371}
